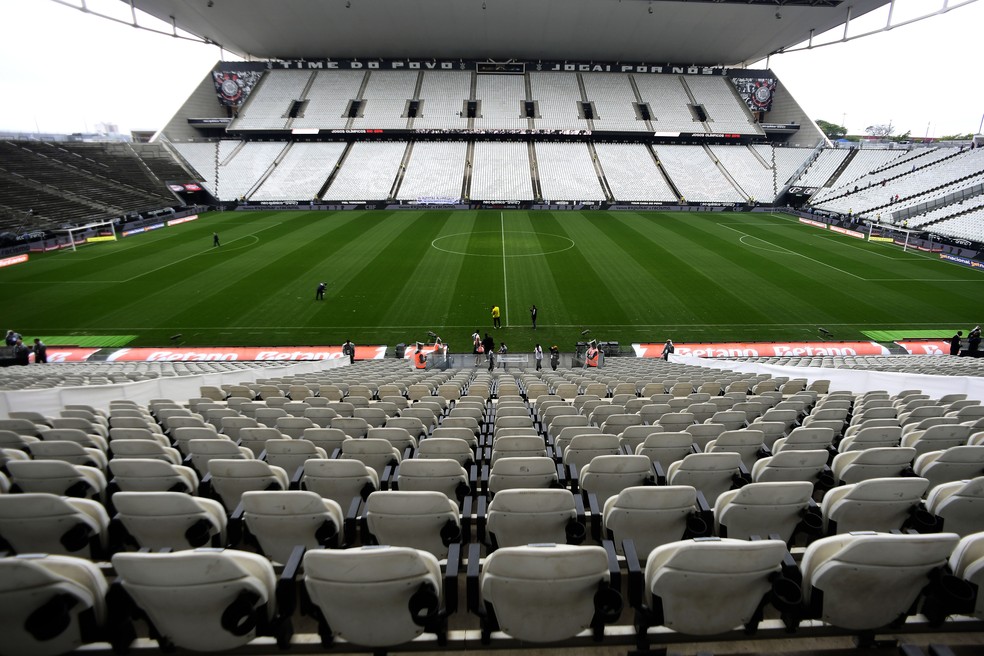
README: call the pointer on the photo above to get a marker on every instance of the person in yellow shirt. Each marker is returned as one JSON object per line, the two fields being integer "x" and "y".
{"x": 496, "y": 323}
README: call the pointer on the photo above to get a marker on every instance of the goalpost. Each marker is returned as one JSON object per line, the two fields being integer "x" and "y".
{"x": 892, "y": 228}
{"x": 95, "y": 225}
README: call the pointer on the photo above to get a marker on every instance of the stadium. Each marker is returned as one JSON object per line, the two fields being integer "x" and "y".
{"x": 719, "y": 406}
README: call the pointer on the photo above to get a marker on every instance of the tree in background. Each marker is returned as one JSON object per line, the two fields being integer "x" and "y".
{"x": 957, "y": 137}
{"x": 832, "y": 130}
{"x": 880, "y": 130}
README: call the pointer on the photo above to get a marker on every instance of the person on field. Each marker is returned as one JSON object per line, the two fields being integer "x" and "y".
{"x": 488, "y": 345}
{"x": 12, "y": 338}
{"x": 955, "y": 343}
{"x": 348, "y": 348}
{"x": 554, "y": 357}
{"x": 668, "y": 348}
{"x": 477, "y": 349}
{"x": 533, "y": 313}
{"x": 538, "y": 357}
{"x": 591, "y": 357}
{"x": 319, "y": 295}
{"x": 22, "y": 354}
{"x": 215, "y": 239}
{"x": 974, "y": 341}
{"x": 40, "y": 351}
{"x": 496, "y": 323}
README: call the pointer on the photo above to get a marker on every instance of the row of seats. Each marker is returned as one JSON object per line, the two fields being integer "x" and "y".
{"x": 386, "y": 596}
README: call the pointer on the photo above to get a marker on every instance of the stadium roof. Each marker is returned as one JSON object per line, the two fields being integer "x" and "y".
{"x": 701, "y": 32}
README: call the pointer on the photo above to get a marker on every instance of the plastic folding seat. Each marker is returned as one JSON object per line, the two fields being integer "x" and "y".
{"x": 117, "y": 434}
{"x": 87, "y": 427}
{"x": 937, "y": 438}
{"x": 45, "y": 523}
{"x": 876, "y": 504}
{"x": 426, "y": 416}
{"x": 202, "y": 600}
{"x": 446, "y": 476}
{"x": 70, "y": 452}
{"x": 915, "y": 415}
{"x": 527, "y": 516}
{"x": 522, "y": 472}
{"x": 152, "y": 475}
{"x": 730, "y": 419}
{"x": 651, "y": 516}
{"x": 400, "y": 438}
{"x": 170, "y": 520}
{"x": 763, "y": 509}
{"x": 874, "y": 437}
{"x": 183, "y": 435}
{"x": 652, "y": 412}
{"x": 281, "y": 521}
{"x": 269, "y": 416}
{"x": 968, "y": 413}
{"x": 201, "y": 451}
{"x": 356, "y": 427}
{"x": 413, "y": 424}
{"x": 870, "y": 423}
{"x": 928, "y": 423}
{"x": 421, "y": 520}
{"x": 704, "y": 433}
{"x": 855, "y": 466}
{"x": 560, "y": 423}
{"x": 804, "y": 438}
{"x": 632, "y": 436}
{"x": 954, "y": 464}
{"x": 967, "y": 563}
{"x": 665, "y": 448}
{"x": 454, "y": 432}
{"x": 546, "y": 592}
{"x": 607, "y": 475}
{"x": 584, "y": 448}
{"x": 50, "y": 605}
{"x": 870, "y": 580}
{"x": 711, "y": 473}
{"x": 672, "y": 422}
{"x": 747, "y": 443}
{"x": 617, "y": 423}
{"x": 709, "y": 586}
{"x": 519, "y": 446}
{"x": 393, "y": 585}
{"x": 12, "y": 440}
{"x": 255, "y": 438}
{"x": 231, "y": 426}
{"x": 375, "y": 453}
{"x": 21, "y": 427}
{"x": 231, "y": 478}
{"x": 752, "y": 409}
{"x": 56, "y": 477}
{"x": 88, "y": 440}
{"x": 601, "y": 413}
{"x": 212, "y": 392}
{"x": 790, "y": 465}
{"x": 320, "y": 416}
{"x": 290, "y": 454}
{"x": 960, "y": 504}
{"x": 340, "y": 480}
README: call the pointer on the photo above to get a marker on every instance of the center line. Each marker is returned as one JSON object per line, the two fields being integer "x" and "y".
{"x": 505, "y": 287}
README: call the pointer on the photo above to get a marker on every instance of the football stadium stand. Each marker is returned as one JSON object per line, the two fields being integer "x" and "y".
{"x": 152, "y": 483}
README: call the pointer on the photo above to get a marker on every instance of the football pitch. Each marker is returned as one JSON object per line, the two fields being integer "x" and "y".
{"x": 395, "y": 275}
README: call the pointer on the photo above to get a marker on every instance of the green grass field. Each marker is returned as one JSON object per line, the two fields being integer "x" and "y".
{"x": 392, "y": 276}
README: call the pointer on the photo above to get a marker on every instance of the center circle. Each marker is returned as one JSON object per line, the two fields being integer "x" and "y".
{"x": 495, "y": 243}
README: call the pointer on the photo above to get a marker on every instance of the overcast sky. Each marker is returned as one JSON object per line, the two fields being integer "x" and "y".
{"x": 64, "y": 71}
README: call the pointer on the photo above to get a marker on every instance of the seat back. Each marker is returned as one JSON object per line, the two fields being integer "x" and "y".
{"x": 231, "y": 478}
{"x": 649, "y": 515}
{"x": 350, "y": 585}
{"x": 711, "y": 585}
{"x": 761, "y": 509}
{"x": 607, "y": 475}
{"x": 421, "y": 520}
{"x": 446, "y": 476}
{"x": 282, "y": 520}
{"x": 171, "y": 520}
{"x": 711, "y": 473}
{"x": 45, "y": 523}
{"x": 875, "y": 504}
{"x": 340, "y": 480}
{"x": 50, "y": 605}
{"x": 195, "y": 599}
{"x": 152, "y": 475}
{"x": 790, "y": 465}
{"x": 524, "y": 516}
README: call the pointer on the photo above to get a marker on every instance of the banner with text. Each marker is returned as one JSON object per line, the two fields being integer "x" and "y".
{"x": 765, "y": 349}
{"x": 217, "y": 354}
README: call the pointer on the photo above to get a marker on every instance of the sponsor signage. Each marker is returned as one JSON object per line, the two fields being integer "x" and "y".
{"x": 16, "y": 259}
{"x": 845, "y": 231}
{"x": 974, "y": 264}
{"x": 265, "y": 353}
{"x": 766, "y": 349}
{"x": 61, "y": 354}
{"x": 925, "y": 347}
{"x": 103, "y": 238}
{"x": 137, "y": 231}
{"x": 802, "y": 191}
{"x": 209, "y": 122}
{"x": 815, "y": 224}
{"x": 888, "y": 239}
{"x": 184, "y": 219}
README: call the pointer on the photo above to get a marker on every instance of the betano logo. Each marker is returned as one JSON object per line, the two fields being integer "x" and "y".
{"x": 738, "y": 349}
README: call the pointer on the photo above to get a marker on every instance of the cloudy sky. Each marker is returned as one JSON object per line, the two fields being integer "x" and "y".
{"x": 65, "y": 71}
